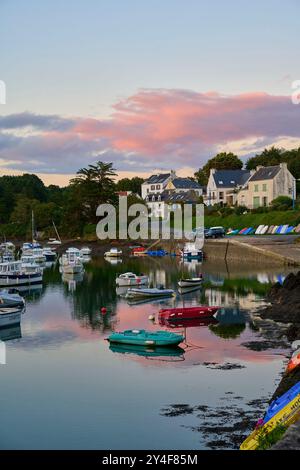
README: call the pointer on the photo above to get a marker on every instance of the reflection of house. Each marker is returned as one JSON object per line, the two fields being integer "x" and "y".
{"x": 160, "y": 204}
{"x": 265, "y": 185}
{"x": 223, "y": 186}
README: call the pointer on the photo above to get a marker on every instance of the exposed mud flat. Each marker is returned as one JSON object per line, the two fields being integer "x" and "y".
{"x": 222, "y": 427}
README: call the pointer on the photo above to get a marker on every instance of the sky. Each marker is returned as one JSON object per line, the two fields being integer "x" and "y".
{"x": 149, "y": 85}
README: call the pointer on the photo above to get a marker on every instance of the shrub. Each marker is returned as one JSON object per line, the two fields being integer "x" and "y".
{"x": 282, "y": 203}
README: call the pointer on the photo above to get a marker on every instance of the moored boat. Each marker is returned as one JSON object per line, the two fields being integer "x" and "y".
{"x": 131, "y": 279}
{"x": 146, "y": 338}
{"x": 70, "y": 261}
{"x": 190, "y": 282}
{"x": 191, "y": 252}
{"x": 85, "y": 251}
{"x": 9, "y": 299}
{"x": 113, "y": 253}
{"x": 10, "y": 316}
{"x": 182, "y": 313}
{"x": 13, "y": 274}
{"x": 49, "y": 254}
{"x": 148, "y": 292}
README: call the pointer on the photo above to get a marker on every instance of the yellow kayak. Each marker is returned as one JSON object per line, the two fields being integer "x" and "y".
{"x": 286, "y": 416}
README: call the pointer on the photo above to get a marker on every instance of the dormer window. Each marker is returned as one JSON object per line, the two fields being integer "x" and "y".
{"x": 159, "y": 197}
{"x": 232, "y": 182}
{"x": 153, "y": 198}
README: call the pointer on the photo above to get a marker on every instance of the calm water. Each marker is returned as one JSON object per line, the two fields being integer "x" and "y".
{"x": 64, "y": 387}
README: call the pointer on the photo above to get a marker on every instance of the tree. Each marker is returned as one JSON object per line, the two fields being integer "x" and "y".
{"x": 222, "y": 161}
{"x": 130, "y": 184}
{"x": 269, "y": 157}
{"x": 94, "y": 185}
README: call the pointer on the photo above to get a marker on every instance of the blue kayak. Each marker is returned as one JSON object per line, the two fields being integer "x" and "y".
{"x": 146, "y": 338}
{"x": 281, "y": 402}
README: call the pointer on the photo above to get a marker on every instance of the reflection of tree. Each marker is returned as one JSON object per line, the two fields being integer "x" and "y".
{"x": 228, "y": 331}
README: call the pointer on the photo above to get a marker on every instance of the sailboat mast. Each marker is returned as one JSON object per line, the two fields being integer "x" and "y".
{"x": 57, "y": 234}
{"x": 32, "y": 226}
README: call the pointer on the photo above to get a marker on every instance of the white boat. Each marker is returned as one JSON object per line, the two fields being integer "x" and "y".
{"x": 149, "y": 292}
{"x": 49, "y": 254}
{"x": 13, "y": 274}
{"x": 85, "y": 251}
{"x": 29, "y": 262}
{"x": 191, "y": 252}
{"x": 10, "y": 316}
{"x": 54, "y": 242}
{"x": 190, "y": 282}
{"x": 7, "y": 256}
{"x": 11, "y": 299}
{"x": 113, "y": 253}
{"x": 131, "y": 279}
{"x": 70, "y": 261}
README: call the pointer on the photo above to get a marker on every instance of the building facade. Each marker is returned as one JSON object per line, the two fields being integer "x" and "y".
{"x": 223, "y": 186}
{"x": 265, "y": 185}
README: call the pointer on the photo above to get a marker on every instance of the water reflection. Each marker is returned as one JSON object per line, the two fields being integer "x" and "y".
{"x": 61, "y": 361}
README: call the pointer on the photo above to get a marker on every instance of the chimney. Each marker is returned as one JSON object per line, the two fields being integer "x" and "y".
{"x": 173, "y": 174}
{"x": 212, "y": 171}
{"x": 283, "y": 165}
{"x": 259, "y": 167}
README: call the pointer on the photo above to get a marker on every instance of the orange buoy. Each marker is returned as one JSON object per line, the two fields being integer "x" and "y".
{"x": 293, "y": 363}
{"x": 103, "y": 310}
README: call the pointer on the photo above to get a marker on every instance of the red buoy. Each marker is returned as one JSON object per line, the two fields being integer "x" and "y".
{"x": 103, "y": 310}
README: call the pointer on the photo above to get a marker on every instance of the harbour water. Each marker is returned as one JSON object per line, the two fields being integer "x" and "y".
{"x": 65, "y": 387}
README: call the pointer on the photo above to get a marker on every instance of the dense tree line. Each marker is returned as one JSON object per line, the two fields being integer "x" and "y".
{"x": 72, "y": 208}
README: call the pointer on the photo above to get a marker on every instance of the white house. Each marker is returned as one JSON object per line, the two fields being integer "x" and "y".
{"x": 156, "y": 183}
{"x": 223, "y": 186}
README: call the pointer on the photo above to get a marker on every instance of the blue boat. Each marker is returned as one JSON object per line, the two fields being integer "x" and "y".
{"x": 281, "y": 402}
{"x": 146, "y": 338}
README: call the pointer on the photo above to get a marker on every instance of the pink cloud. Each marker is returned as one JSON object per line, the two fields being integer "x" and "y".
{"x": 153, "y": 127}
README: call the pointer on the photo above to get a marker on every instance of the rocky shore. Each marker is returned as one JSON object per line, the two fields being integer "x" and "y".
{"x": 284, "y": 307}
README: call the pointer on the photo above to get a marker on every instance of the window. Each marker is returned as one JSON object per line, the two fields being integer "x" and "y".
{"x": 158, "y": 186}
{"x": 256, "y": 202}
{"x": 153, "y": 187}
{"x": 147, "y": 190}
{"x": 256, "y": 188}
{"x": 221, "y": 195}
{"x": 264, "y": 187}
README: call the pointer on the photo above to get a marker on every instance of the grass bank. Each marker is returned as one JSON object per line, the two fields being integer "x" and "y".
{"x": 253, "y": 220}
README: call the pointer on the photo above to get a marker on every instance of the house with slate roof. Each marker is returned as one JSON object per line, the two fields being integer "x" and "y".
{"x": 184, "y": 185}
{"x": 265, "y": 185}
{"x": 160, "y": 204}
{"x": 156, "y": 184}
{"x": 223, "y": 186}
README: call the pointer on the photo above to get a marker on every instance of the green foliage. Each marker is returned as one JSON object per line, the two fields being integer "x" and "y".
{"x": 130, "y": 184}
{"x": 222, "y": 161}
{"x": 267, "y": 440}
{"x": 282, "y": 203}
{"x": 275, "y": 156}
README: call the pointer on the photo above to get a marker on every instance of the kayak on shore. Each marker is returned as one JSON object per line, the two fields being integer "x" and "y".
{"x": 281, "y": 402}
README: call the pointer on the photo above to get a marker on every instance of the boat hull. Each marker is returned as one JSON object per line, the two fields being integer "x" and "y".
{"x": 10, "y": 318}
{"x": 144, "y": 338}
{"x": 138, "y": 281}
{"x": 148, "y": 293}
{"x": 21, "y": 279}
{"x": 190, "y": 282}
{"x": 187, "y": 313}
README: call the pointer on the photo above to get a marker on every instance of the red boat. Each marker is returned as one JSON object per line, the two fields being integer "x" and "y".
{"x": 187, "y": 322}
{"x": 187, "y": 313}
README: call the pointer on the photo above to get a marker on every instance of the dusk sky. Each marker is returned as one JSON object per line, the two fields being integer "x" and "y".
{"x": 149, "y": 85}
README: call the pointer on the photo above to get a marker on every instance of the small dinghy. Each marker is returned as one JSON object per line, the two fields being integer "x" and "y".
{"x": 113, "y": 253}
{"x": 131, "y": 279}
{"x": 11, "y": 298}
{"x": 185, "y": 313}
{"x": 281, "y": 402}
{"x": 190, "y": 282}
{"x": 149, "y": 292}
{"x": 146, "y": 338}
{"x": 10, "y": 316}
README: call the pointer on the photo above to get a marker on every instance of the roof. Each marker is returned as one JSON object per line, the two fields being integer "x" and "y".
{"x": 185, "y": 183}
{"x": 265, "y": 173}
{"x": 172, "y": 197}
{"x": 154, "y": 179}
{"x": 231, "y": 178}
